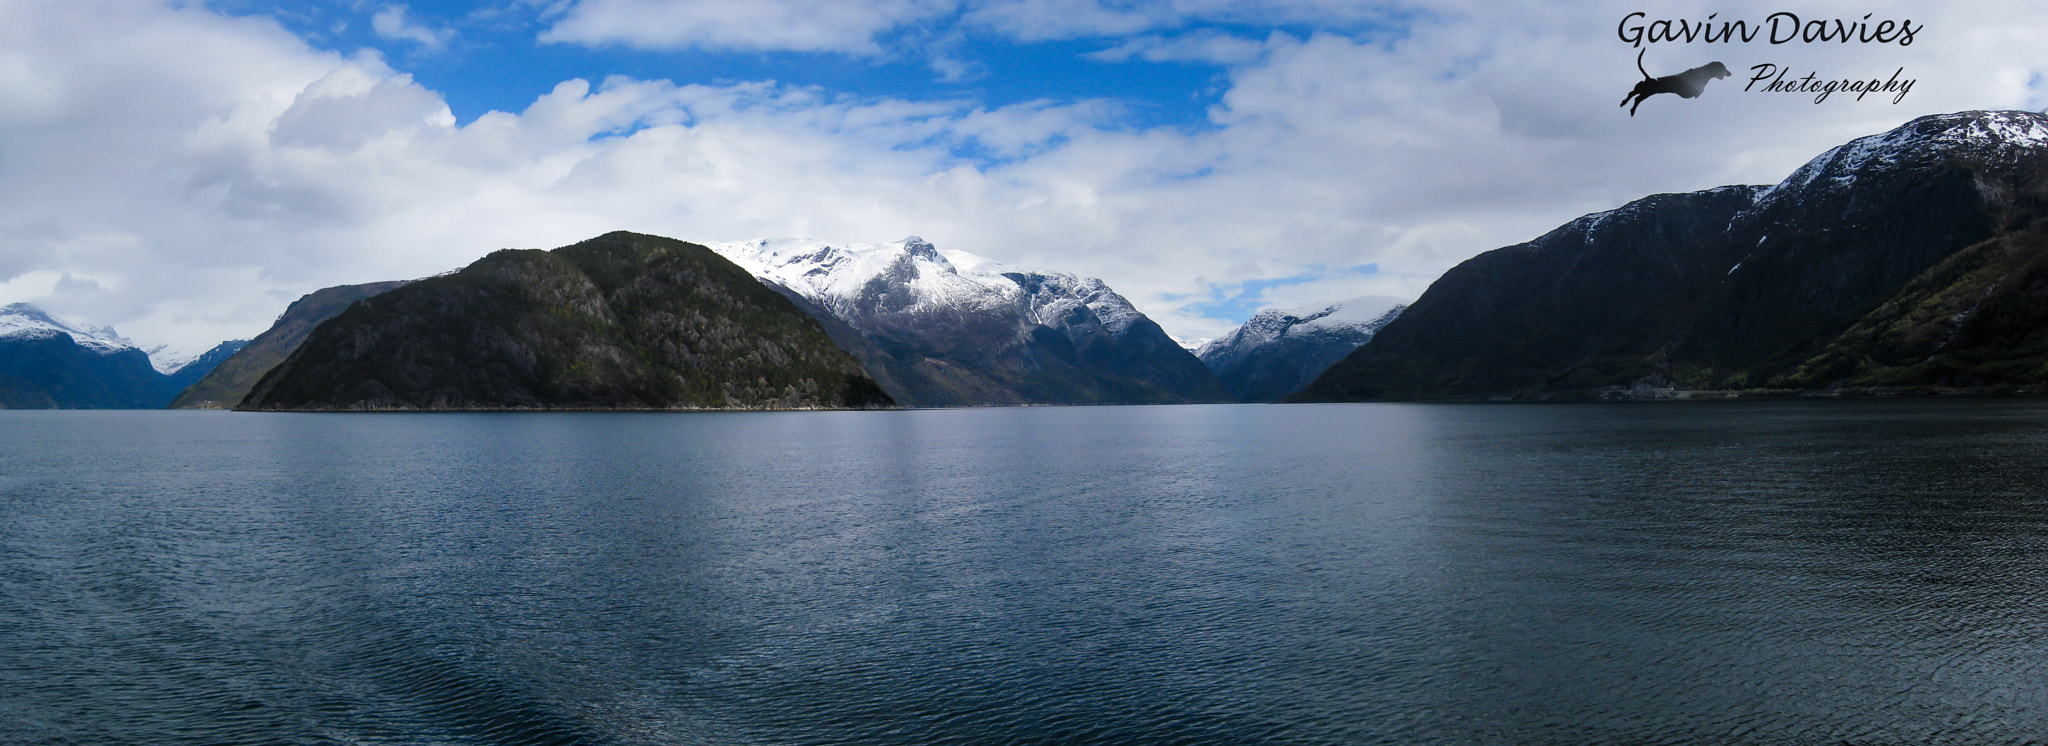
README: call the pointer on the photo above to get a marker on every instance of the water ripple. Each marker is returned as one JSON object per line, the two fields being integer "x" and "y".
{"x": 1767, "y": 573}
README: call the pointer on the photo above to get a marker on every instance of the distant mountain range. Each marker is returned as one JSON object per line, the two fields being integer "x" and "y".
{"x": 949, "y": 328}
{"x": 1912, "y": 261}
{"x": 46, "y": 363}
{"x": 934, "y": 333}
{"x": 1277, "y": 351}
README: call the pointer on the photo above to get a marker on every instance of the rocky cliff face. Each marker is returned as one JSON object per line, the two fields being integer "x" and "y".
{"x": 948, "y": 328}
{"x": 622, "y": 321}
{"x": 1907, "y": 259}
{"x": 1277, "y": 352}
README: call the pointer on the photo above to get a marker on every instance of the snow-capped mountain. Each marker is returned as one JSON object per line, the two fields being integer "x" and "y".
{"x": 1996, "y": 139}
{"x": 167, "y": 360}
{"x": 47, "y": 362}
{"x": 863, "y": 283}
{"x": 1278, "y": 351}
{"x": 26, "y": 322}
{"x": 949, "y": 328}
{"x": 1907, "y": 261}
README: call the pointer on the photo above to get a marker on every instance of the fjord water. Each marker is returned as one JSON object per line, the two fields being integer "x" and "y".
{"x": 1741, "y": 572}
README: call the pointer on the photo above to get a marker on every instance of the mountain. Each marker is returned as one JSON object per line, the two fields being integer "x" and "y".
{"x": 22, "y": 321}
{"x": 621, "y": 321}
{"x": 167, "y": 360}
{"x": 49, "y": 364}
{"x": 1907, "y": 261}
{"x": 189, "y": 372}
{"x": 227, "y": 383}
{"x": 46, "y": 363}
{"x": 949, "y": 328}
{"x": 1277, "y": 352}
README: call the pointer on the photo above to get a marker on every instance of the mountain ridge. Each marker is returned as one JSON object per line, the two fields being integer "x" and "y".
{"x": 623, "y": 321}
{"x": 47, "y": 363}
{"x": 1750, "y": 288}
{"x": 950, "y": 328}
{"x": 229, "y": 382}
{"x": 1278, "y": 351}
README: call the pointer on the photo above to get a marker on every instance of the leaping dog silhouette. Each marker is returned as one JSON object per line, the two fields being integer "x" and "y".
{"x": 1687, "y": 84}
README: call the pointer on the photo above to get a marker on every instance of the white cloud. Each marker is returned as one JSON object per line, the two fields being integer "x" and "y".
{"x": 802, "y": 25}
{"x": 856, "y": 26}
{"x": 202, "y": 171}
{"x": 1200, "y": 46}
{"x": 1066, "y": 19}
{"x": 389, "y": 23}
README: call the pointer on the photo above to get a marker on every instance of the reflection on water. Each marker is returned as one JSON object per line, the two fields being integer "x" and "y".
{"x": 1740, "y": 572}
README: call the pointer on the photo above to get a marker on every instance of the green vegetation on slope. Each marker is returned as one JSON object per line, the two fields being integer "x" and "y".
{"x": 1977, "y": 320}
{"x": 622, "y": 321}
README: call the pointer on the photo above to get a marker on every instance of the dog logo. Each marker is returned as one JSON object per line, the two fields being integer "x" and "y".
{"x": 1688, "y": 84}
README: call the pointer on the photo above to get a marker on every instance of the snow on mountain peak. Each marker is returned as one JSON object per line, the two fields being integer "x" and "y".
{"x": 2001, "y": 135}
{"x": 21, "y": 320}
{"x": 167, "y": 360}
{"x": 912, "y": 276}
{"x": 1353, "y": 312}
{"x": 25, "y": 321}
{"x": 1278, "y": 351}
{"x": 918, "y": 247}
{"x": 1366, "y": 313}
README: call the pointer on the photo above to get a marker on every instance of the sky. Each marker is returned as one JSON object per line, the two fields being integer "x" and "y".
{"x": 184, "y": 170}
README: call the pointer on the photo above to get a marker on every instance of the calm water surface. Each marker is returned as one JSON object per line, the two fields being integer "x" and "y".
{"x": 1769, "y": 573}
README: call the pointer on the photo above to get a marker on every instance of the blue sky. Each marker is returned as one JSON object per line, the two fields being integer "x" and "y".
{"x": 183, "y": 169}
{"x": 490, "y": 56}
{"x": 492, "y": 59}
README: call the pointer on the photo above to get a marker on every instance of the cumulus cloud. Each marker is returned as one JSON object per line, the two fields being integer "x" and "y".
{"x": 190, "y": 173}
